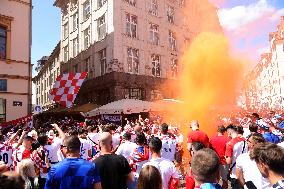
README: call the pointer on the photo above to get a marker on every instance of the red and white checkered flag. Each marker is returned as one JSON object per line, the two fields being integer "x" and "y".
{"x": 66, "y": 88}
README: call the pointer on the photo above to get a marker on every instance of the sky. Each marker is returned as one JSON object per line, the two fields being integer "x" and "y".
{"x": 246, "y": 23}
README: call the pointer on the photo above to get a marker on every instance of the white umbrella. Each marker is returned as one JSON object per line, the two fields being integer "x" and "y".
{"x": 125, "y": 106}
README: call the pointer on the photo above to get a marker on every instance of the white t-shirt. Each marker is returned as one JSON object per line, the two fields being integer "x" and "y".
{"x": 168, "y": 147}
{"x": 251, "y": 172}
{"x": 281, "y": 144}
{"x": 94, "y": 137}
{"x": 126, "y": 148}
{"x": 237, "y": 150}
{"x": 52, "y": 150}
{"x": 6, "y": 151}
{"x": 85, "y": 147}
{"x": 116, "y": 139}
{"x": 166, "y": 168}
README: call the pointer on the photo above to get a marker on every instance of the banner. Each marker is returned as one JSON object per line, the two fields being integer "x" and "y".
{"x": 22, "y": 120}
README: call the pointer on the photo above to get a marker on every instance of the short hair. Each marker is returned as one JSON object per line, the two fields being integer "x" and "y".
{"x": 240, "y": 129}
{"x": 11, "y": 180}
{"x": 140, "y": 138}
{"x": 72, "y": 143}
{"x": 149, "y": 178}
{"x": 126, "y": 136}
{"x": 269, "y": 154}
{"x": 164, "y": 128}
{"x": 232, "y": 127}
{"x": 256, "y": 115}
{"x": 42, "y": 139}
{"x": 257, "y": 138}
{"x": 155, "y": 144}
{"x": 221, "y": 129}
{"x": 205, "y": 165}
{"x": 253, "y": 127}
{"x": 197, "y": 146}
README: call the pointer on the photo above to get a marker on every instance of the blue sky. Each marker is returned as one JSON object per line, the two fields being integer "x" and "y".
{"x": 247, "y": 24}
{"x": 46, "y": 28}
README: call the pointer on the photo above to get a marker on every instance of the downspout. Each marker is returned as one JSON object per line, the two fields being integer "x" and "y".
{"x": 30, "y": 62}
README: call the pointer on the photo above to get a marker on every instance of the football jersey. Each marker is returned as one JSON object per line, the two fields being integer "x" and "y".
{"x": 168, "y": 147}
{"x": 19, "y": 154}
{"x": 6, "y": 152}
{"x": 85, "y": 147}
{"x": 52, "y": 150}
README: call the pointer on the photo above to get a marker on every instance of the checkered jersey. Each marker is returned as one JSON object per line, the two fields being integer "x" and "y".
{"x": 38, "y": 157}
{"x": 66, "y": 88}
{"x": 6, "y": 151}
{"x": 72, "y": 173}
{"x": 169, "y": 145}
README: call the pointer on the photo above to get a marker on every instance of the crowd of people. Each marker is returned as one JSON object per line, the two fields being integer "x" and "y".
{"x": 246, "y": 152}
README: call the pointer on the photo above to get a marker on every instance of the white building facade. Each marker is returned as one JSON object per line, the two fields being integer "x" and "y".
{"x": 48, "y": 70}
{"x": 265, "y": 89}
{"x": 128, "y": 47}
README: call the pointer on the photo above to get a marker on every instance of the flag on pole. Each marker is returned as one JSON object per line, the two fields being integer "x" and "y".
{"x": 66, "y": 88}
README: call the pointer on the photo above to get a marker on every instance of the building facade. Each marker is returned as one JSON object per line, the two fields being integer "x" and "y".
{"x": 48, "y": 69}
{"x": 265, "y": 86}
{"x": 15, "y": 59}
{"x": 128, "y": 47}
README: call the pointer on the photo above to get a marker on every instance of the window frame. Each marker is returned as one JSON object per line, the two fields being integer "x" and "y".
{"x": 86, "y": 10}
{"x": 101, "y": 23}
{"x": 5, "y": 40}
{"x": 131, "y": 22}
{"x": 154, "y": 34}
{"x": 153, "y": 8}
{"x": 133, "y": 64}
{"x": 103, "y": 63}
{"x": 3, "y": 104}
{"x": 3, "y": 85}
{"x": 156, "y": 64}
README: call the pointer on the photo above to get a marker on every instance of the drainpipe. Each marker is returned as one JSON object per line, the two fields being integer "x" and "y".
{"x": 30, "y": 62}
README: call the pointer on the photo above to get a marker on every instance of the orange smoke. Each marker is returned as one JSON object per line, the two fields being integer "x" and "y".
{"x": 210, "y": 79}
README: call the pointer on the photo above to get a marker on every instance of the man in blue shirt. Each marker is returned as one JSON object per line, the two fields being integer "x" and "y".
{"x": 73, "y": 172}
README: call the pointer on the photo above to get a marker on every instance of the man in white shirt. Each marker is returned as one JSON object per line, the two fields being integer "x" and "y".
{"x": 86, "y": 147}
{"x": 246, "y": 169}
{"x": 53, "y": 147}
{"x": 126, "y": 146}
{"x": 166, "y": 167}
{"x": 168, "y": 143}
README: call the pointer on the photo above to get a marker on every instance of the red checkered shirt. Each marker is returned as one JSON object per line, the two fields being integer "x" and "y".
{"x": 38, "y": 157}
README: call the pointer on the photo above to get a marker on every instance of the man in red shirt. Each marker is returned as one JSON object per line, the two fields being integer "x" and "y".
{"x": 218, "y": 144}
{"x": 196, "y": 135}
{"x": 234, "y": 148}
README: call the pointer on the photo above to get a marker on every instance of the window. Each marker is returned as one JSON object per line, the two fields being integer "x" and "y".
{"x": 102, "y": 55}
{"x": 87, "y": 36}
{"x": 75, "y": 68}
{"x": 75, "y": 47}
{"x": 75, "y": 21}
{"x": 156, "y": 67}
{"x": 156, "y": 95}
{"x": 3, "y": 42}
{"x": 65, "y": 55}
{"x": 131, "y": 25}
{"x": 54, "y": 77}
{"x": 3, "y": 85}
{"x": 131, "y": 2}
{"x": 50, "y": 79}
{"x": 174, "y": 68}
{"x": 154, "y": 34}
{"x": 86, "y": 10}
{"x": 2, "y": 110}
{"x": 172, "y": 41}
{"x": 58, "y": 72}
{"x": 186, "y": 42}
{"x": 153, "y": 8}
{"x": 101, "y": 27}
{"x": 65, "y": 30}
{"x": 101, "y": 3}
{"x": 133, "y": 60}
{"x": 74, "y": 4}
{"x": 136, "y": 94}
{"x": 87, "y": 65}
{"x": 170, "y": 14}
